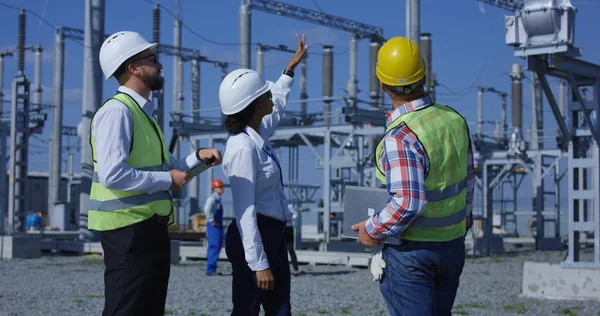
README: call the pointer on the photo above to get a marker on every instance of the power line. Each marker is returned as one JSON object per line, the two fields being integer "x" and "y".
{"x": 194, "y": 32}
{"x": 315, "y": 2}
{"x": 32, "y": 12}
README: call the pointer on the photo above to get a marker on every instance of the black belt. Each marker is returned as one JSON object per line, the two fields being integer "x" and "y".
{"x": 161, "y": 220}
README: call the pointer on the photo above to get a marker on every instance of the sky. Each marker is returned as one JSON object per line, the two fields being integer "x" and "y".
{"x": 467, "y": 37}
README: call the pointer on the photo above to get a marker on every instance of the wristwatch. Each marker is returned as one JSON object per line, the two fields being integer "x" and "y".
{"x": 289, "y": 73}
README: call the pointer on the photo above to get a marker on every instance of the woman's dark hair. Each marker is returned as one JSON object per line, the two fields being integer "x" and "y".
{"x": 236, "y": 123}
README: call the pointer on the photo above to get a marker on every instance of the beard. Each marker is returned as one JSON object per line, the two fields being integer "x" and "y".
{"x": 154, "y": 82}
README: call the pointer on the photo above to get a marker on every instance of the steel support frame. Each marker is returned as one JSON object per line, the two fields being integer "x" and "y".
{"x": 582, "y": 146}
{"x": 490, "y": 180}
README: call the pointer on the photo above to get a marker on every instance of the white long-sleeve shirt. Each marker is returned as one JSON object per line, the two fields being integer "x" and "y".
{"x": 112, "y": 128}
{"x": 255, "y": 177}
{"x": 210, "y": 207}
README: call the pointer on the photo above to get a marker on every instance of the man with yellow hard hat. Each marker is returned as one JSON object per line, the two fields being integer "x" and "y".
{"x": 426, "y": 162}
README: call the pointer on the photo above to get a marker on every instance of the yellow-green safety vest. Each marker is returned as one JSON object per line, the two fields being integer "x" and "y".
{"x": 112, "y": 209}
{"x": 445, "y": 136}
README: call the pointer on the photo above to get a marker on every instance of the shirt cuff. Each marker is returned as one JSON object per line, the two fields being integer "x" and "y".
{"x": 259, "y": 266}
{"x": 164, "y": 181}
{"x": 286, "y": 80}
{"x": 370, "y": 229}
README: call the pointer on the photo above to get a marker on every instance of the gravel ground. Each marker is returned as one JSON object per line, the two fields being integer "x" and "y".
{"x": 56, "y": 285}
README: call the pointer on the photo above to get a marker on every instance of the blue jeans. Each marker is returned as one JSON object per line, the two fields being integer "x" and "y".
{"x": 421, "y": 278}
{"x": 215, "y": 239}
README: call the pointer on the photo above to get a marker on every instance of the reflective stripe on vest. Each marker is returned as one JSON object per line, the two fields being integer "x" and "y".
{"x": 444, "y": 136}
{"x": 112, "y": 209}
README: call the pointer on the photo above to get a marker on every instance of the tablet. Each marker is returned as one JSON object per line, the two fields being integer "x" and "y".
{"x": 199, "y": 167}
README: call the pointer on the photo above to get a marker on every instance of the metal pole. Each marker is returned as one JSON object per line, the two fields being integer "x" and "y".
{"x": 326, "y": 183}
{"x": 57, "y": 121}
{"x": 516, "y": 76}
{"x": 92, "y": 100}
{"x": 1, "y": 83}
{"x": 373, "y": 81}
{"x": 223, "y": 75}
{"x": 503, "y": 108}
{"x": 561, "y": 98}
{"x": 158, "y": 96}
{"x": 3, "y": 154}
{"x": 303, "y": 94}
{"x": 177, "y": 73}
{"x": 480, "y": 113}
{"x": 194, "y": 145}
{"x": 245, "y": 27}
{"x": 426, "y": 52}
{"x": 535, "y": 128}
{"x": 37, "y": 85}
{"x": 352, "y": 87}
{"x": 3, "y": 188}
{"x": 413, "y": 21}
{"x": 327, "y": 82}
{"x": 71, "y": 164}
{"x": 260, "y": 67}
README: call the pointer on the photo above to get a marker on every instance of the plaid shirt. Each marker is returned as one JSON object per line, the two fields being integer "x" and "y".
{"x": 405, "y": 165}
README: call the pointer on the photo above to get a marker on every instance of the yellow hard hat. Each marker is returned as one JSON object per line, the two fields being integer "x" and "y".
{"x": 399, "y": 62}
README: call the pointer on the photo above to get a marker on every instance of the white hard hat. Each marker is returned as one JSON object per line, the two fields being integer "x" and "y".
{"x": 119, "y": 47}
{"x": 239, "y": 88}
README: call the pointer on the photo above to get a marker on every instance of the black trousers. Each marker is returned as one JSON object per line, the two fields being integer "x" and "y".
{"x": 247, "y": 297}
{"x": 137, "y": 260}
{"x": 289, "y": 241}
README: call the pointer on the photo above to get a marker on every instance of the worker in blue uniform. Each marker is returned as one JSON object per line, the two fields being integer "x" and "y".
{"x": 213, "y": 209}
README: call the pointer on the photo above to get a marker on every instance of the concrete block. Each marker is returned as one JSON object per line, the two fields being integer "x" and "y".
{"x": 175, "y": 252}
{"x": 22, "y": 247}
{"x": 554, "y": 281}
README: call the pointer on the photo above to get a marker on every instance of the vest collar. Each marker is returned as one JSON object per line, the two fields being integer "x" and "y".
{"x": 255, "y": 137}
{"x": 408, "y": 107}
{"x": 147, "y": 106}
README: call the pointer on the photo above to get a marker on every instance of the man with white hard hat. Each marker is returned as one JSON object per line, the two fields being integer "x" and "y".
{"x": 130, "y": 205}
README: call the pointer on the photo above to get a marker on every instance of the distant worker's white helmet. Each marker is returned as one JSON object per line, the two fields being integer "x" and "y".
{"x": 119, "y": 47}
{"x": 239, "y": 88}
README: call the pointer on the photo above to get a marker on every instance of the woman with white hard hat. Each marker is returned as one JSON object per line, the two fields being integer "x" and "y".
{"x": 255, "y": 243}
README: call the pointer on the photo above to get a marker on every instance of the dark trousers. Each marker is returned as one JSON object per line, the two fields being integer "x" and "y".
{"x": 137, "y": 260}
{"x": 247, "y": 297}
{"x": 289, "y": 241}
{"x": 421, "y": 278}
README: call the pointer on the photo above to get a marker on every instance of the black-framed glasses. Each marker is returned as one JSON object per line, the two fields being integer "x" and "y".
{"x": 153, "y": 56}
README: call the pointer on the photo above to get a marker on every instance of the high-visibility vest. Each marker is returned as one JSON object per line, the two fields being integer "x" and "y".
{"x": 111, "y": 209}
{"x": 445, "y": 136}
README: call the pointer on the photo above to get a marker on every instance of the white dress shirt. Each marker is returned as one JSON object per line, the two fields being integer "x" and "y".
{"x": 112, "y": 128}
{"x": 255, "y": 177}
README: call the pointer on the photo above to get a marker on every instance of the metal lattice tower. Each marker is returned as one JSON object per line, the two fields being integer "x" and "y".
{"x": 19, "y": 139}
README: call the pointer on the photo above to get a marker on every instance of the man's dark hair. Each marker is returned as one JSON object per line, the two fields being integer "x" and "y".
{"x": 402, "y": 90}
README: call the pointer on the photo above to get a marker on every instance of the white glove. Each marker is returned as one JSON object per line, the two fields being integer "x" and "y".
{"x": 377, "y": 263}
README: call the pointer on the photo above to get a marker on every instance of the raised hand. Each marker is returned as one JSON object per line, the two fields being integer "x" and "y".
{"x": 299, "y": 54}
